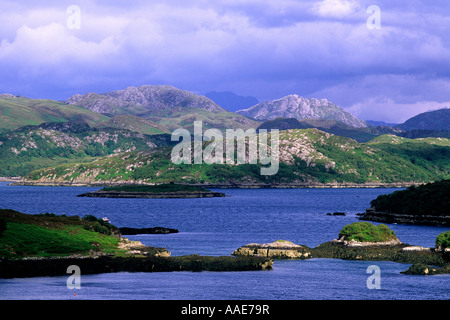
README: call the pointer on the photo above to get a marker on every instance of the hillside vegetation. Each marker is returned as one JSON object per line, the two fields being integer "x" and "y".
{"x": 429, "y": 199}
{"x": 46, "y": 235}
{"x": 16, "y": 112}
{"x": 306, "y": 156}
{"x": 50, "y": 144}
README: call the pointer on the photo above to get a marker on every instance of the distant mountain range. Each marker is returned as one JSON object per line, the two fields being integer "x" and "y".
{"x": 165, "y": 105}
{"x": 295, "y": 106}
{"x": 231, "y": 101}
{"x": 39, "y": 133}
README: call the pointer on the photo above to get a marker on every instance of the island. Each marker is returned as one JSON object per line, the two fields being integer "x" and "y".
{"x": 426, "y": 204}
{"x": 362, "y": 241}
{"x": 169, "y": 190}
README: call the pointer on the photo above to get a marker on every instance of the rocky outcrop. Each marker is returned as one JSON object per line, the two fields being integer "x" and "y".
{"x": 138, "y": 100}
{"x": 280, "y": 249}
{"x": 354, "y": 243}
{"x": 155, "y": 230}
{"x": 389, "y": 217}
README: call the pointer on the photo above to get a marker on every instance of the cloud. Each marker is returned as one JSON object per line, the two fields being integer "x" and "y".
{"x": 335, "y": 8}
{"x": 267, "y": 49}
{"x": 386, "y": 109}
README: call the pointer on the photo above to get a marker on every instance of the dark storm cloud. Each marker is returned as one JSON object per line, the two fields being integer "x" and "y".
{"x": 267, "y": 49}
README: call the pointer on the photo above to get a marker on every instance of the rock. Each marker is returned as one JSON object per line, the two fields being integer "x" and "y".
{"x": 280, "y": 249}
{"x": 155, "y": 230}
{"x": 389, "y": 217}
{"x": 354, "y": 243}
{"x": 415, "y": 248}
{"x": 336, "y": 214}
{"x": 421, "y": 269}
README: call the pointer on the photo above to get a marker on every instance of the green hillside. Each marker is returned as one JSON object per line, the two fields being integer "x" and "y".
{"x": 16, "y": 112}
{"x": 50, "y": 144}
{"x": 306, "y": 156}
{"x": 133, "y": 123}
{"x": 45, "y": 235}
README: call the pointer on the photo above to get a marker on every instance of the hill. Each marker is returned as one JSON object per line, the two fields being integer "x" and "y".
{"x": 331, "y": 126}
{"x": 437, "y": 120}
{"x": 133, "y": 123}
{"x": 307, "y": 157}
{"x": 16, "y": 112}
{"x": 47, "y": 235}
{"x": 49, "y": 144}
{"x": 295, "y": 106}
{"x": 165, "y": 105}
{"x": 426, "y": 204}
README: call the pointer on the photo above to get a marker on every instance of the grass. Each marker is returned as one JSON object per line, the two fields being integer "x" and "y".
{"x": 16, "y": 112}
{"x": 51, "y": 235}
{"x": 367, "y": 232}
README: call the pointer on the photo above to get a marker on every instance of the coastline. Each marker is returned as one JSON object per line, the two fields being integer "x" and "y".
{"x": 223, "y": 185}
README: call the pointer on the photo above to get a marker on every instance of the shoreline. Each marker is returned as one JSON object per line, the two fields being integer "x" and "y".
{"x": 224, "y": 185}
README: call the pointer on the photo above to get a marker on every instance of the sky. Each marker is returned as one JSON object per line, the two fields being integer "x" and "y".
{"x": 380, "y": 60}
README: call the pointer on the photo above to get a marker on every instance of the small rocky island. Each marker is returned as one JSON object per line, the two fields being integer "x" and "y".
{"x": 362, "y": 241}
{"x": 170, "y": 190}
{"x": 427, "y": 204}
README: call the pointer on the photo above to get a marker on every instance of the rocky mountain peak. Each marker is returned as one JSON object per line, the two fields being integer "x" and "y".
{"x": 143, "y": 99}
{"x": 296, "y": 106}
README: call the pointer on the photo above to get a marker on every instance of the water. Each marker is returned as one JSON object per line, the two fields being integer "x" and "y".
{"x": 217, "y": 226}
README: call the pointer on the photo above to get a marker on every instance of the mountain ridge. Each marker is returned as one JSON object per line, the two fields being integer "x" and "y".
{"x": 295, "y": 106}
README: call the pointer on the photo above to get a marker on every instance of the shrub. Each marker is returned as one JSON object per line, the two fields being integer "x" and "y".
{"x": 367, "y": 232}
{"x": 443, "y": 240}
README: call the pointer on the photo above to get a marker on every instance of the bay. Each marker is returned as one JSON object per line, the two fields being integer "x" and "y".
{"x": 217, "y": 226}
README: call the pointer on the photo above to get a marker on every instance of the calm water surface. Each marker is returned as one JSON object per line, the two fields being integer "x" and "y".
{"x": 217, "y": 227}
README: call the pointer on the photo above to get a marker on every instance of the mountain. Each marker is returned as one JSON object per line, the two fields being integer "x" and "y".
{"x": 16, "y": 112}
{"x": 231, "y": 101}
{"x": 307, "y": 157}
{"x": 143, "y": 100}
{"x": 377, "y": 123}
{"x": 295, "y": 106}
{"x": 50, "y": 144}
{"x": 437, "y": 120}
{"x": 165, "y": 105}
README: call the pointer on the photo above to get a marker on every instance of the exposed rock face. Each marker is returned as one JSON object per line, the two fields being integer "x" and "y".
{"x": 143, "y": 99}
{"x": 280, "y": 249}
{"x": 295, "y": 106}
